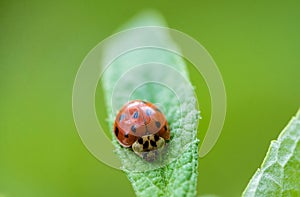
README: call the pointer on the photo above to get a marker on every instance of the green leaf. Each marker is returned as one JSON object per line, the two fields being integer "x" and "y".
{"x": 279, "y": 174}
{"x": 177, "y": 174}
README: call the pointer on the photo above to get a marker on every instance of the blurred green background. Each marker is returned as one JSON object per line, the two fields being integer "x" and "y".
{"x": 256, "y": 45}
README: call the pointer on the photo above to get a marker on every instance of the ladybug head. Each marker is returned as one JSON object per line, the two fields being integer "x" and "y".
{"x": 148, "y": 146}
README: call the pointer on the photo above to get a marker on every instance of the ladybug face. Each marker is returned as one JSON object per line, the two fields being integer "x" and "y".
{"x": 148, "y": 146}
{"x": 142, "y": 126}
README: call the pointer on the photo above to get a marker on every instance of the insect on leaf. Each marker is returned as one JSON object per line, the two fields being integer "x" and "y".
{"x": 178, "y": 175}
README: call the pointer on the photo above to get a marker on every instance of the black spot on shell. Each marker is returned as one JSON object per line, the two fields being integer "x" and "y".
{"x": 165, "y": 127}
{"x": 146, "y": 145}
{"x": 133, "y": 128}
{"x": 136, "y": 114}
{"x": 140, "y": 140}
{"x": 126, "y": 135}
{"x": 157, "y": 123}
{"x": 116, "y": 131}
{"x": 153, "y": 143}
{"x": 148, "y": 137}
{"x": 156, "y": 138}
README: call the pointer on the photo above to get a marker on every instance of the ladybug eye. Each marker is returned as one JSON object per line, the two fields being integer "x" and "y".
{"x": 140, "y": 140}
{"x": 136, "y": 114}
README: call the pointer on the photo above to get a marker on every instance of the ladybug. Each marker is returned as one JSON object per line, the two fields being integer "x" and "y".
{"x": 140, "y": 125}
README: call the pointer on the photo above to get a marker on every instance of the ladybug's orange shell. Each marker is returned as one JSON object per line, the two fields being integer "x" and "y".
{"x": 138, "y": 118}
